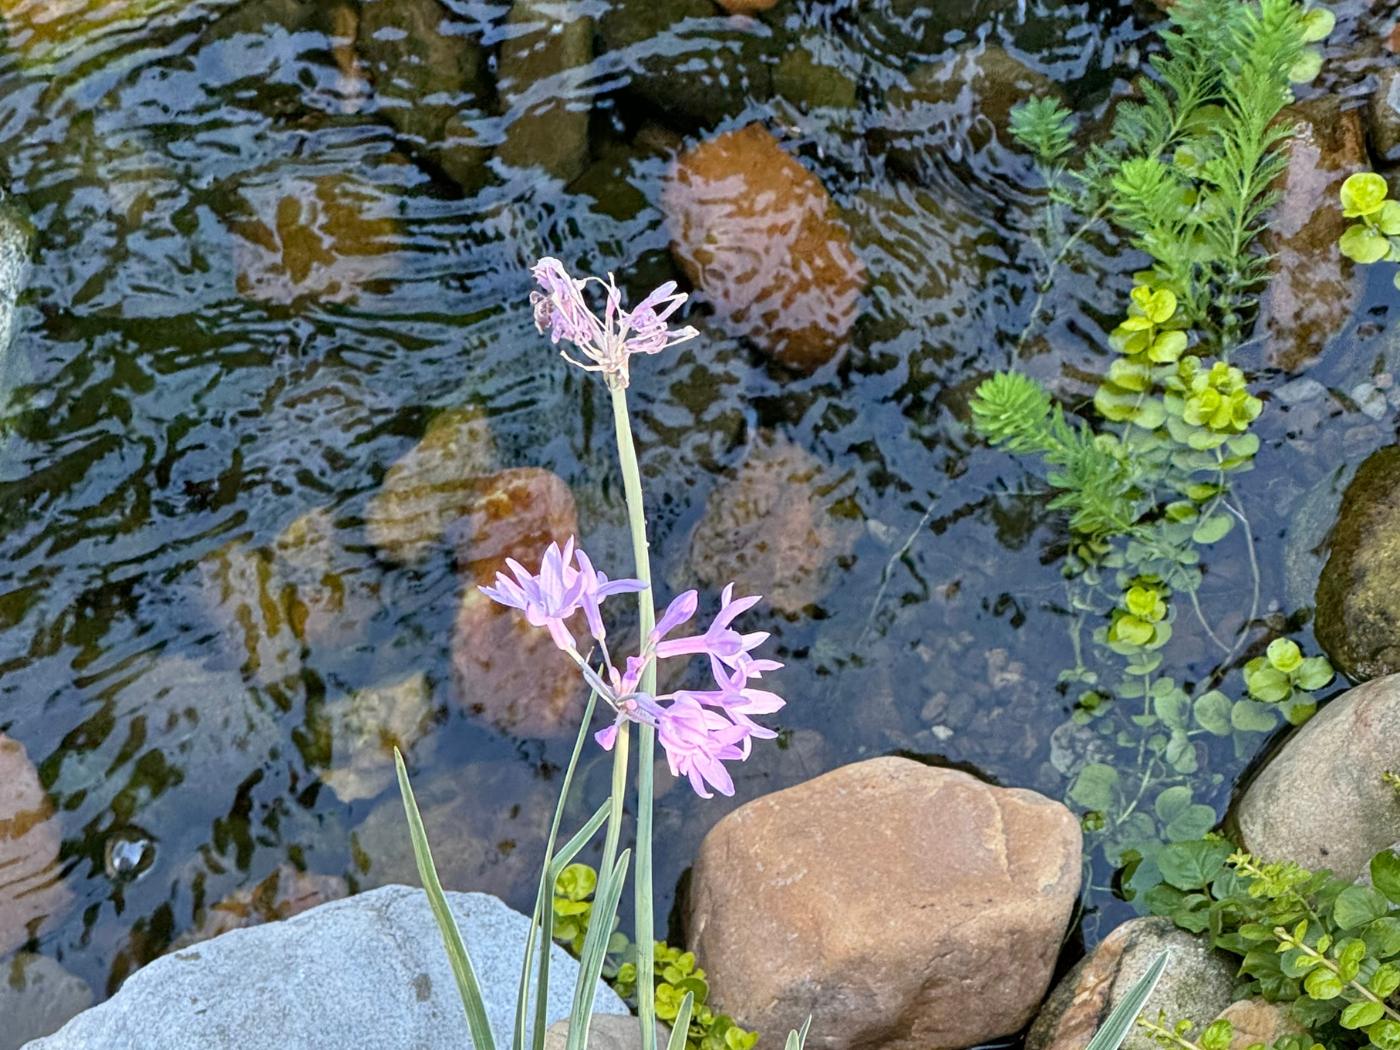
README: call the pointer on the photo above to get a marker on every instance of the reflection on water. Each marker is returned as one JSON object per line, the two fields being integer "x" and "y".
{"x": 275, "y": 405}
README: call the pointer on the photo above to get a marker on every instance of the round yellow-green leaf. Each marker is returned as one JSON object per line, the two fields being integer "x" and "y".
{"x": 1363, "y": 244}
{"x": 1388, "y": 218}
{"x": 1318, "y": 22}
{"x": 1284, "y": 654}
{"x": 1362, "y": 193}
{"x": 1308, "y": 66}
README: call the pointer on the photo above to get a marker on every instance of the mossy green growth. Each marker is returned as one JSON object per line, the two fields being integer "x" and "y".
{"x": 676, "y": 970}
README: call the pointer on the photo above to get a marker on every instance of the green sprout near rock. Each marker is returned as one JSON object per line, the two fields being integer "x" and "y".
{"x": 1376, "y": 236}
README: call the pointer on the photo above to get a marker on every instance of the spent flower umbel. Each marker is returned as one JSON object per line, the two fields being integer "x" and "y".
{"x": 699, "y": 730}
{"x": 606, "y": 343}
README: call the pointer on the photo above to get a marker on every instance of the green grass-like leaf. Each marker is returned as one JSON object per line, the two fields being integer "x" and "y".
{"x": 467, "y": 985}
{"x": 1120, "y": 1022}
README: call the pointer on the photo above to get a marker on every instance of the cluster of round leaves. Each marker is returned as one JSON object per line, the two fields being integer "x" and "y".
{"x": 1151, "y": 340}
{"x": 1281, "y": 682}
{"x": 1141, "y": 621}
{"x": 676, "y": 971}
{"x": 1376, "y": 236}
{"x": 1206, "y": 406}
{"x": 1218, "y": 1035}
{"x": 1328, "y": 947}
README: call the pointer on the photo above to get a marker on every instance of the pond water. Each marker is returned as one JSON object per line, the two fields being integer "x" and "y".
{"x": 257, "y": 281}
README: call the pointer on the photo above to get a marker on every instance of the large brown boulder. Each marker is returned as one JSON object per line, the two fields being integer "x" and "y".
{"x": 1322, "y": 801}
{"x": 880, "y": 898}
{"x": 32, "y": 891}
{"x": 1313, "y": 289}
{"x": 543, "y": 79}
{"x": 1195, "y": 985}
{"x": 1358, "y": 594}
{"x": 758, "y": 235}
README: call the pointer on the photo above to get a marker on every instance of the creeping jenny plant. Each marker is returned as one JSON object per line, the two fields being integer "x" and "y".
{"x": 1375, "y": 236}
{"x": 1187, "y": 176}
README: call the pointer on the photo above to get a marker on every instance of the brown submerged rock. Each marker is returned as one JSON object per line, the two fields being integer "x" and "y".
{"x": 432, "y": 485}
{"x": 1321, "y": 801}
{"x": 284, "y": 893}
{"x": 770, "y": 528}
{"x": 507, "y": 672}
{"x": 1358, "y": 593}
{"x": 757, "y": 234}
{"x": 32, "y": 892}
{"x": 322, "y": 239}
{"x": 367, "y": 726}
{"x": 1313, "y": 289}
{"x": 879, "y": 898}
{"x": 1259, "y": 1021}
{"x": 542, "y": 79}
{"x": 334, "y": 589}
{"x": 1195, "y": 985}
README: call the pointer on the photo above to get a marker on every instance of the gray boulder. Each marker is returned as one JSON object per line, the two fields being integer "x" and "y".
{"x": 1196, "y": 985}
{"x": 367, "y": 972}
{"x": 1322, "y": 800}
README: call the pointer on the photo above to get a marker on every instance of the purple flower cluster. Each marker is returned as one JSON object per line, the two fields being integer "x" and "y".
{"x": 606, "y": 342}
{"x": 699, "y": 729}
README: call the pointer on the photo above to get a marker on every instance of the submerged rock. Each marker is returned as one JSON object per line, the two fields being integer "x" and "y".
{"x": 290, "y": 983}
{"x": 1321, "y": 801}
{"x": 1259, "y": 1021}
{"x": 758, "y": 236}
{"x": 284, "y": 893}
{"x": 32, "y": 892}
{"x": 542, "y": 78}
{"x": 37, "y": 997}
{"x": 250, "y": 603}
{"x": 770, "y": 528}
{"x": 1358, "y": 593}
{"x": 323, "y": 239}
{"x": 14, "y": 271}
{"x": 332, "y": 588}
{"x": 515, "y": 513}
{"x": 1313, "y": 289}
{"x": 40, "y": 31}
{"x": 688, "y": 60}
{"x": 506, "y": 672}
{"x": 1196, "y": 985}
{"x": 811, "y": 76}
{"x": 510, "y": 674}
{"x": 1383, "y": 117}
{"x": 963, "y": 101}
{"x": 425, "y": 64}
{"x": 367, "y": 726}
{"x": 478, "y": 843}
{"x": 431, "y": 485}
{"x": 880, "y": 898}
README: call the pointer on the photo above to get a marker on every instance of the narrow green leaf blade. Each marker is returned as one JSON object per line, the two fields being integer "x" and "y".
{"x": 467, "y": 984}
{"x": 1120, "y": 1021}
{"x": 682, "y": 1023}
{"x": 798, "y": 1037}
{"x": 595, "y": 949}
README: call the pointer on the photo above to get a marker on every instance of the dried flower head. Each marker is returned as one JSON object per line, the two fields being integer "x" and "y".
{"x": 606, "y": 343}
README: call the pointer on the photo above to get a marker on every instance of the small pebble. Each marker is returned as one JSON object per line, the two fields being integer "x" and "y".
{"x": 1370, "y": 400}
{"x": 1297, "y": 391}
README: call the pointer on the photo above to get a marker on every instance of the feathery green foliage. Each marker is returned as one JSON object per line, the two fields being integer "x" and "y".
{"x": 1187, "y": 175}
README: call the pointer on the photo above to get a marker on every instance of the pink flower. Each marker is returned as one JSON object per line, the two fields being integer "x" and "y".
{"x": 736, "y": 699}
{"x": 698, "y": 742}
{"x": 548, "y": 598}
{"x": 721, "y": 641}
{"x": 608, "y": 342}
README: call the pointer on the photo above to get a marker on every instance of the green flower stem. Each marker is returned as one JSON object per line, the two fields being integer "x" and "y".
{"x": 1289, "y": 941}
{"x": 646, "y": 735}
{"x": 621, "y": 749}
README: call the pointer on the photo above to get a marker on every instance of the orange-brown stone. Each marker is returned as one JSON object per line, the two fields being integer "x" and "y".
{"x": 32, "y": 891}
{"x": 1313, "y": 290}
{"x": 507, "y": 672}
{"x": 757, "y": 234}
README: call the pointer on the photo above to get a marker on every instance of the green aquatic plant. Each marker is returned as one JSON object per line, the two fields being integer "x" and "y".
{"x": 677, "y": 974}
{"x": 1327, "y": 947}
{"x": 1376, "y": 236}
{"x": 1187, "y": 175}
